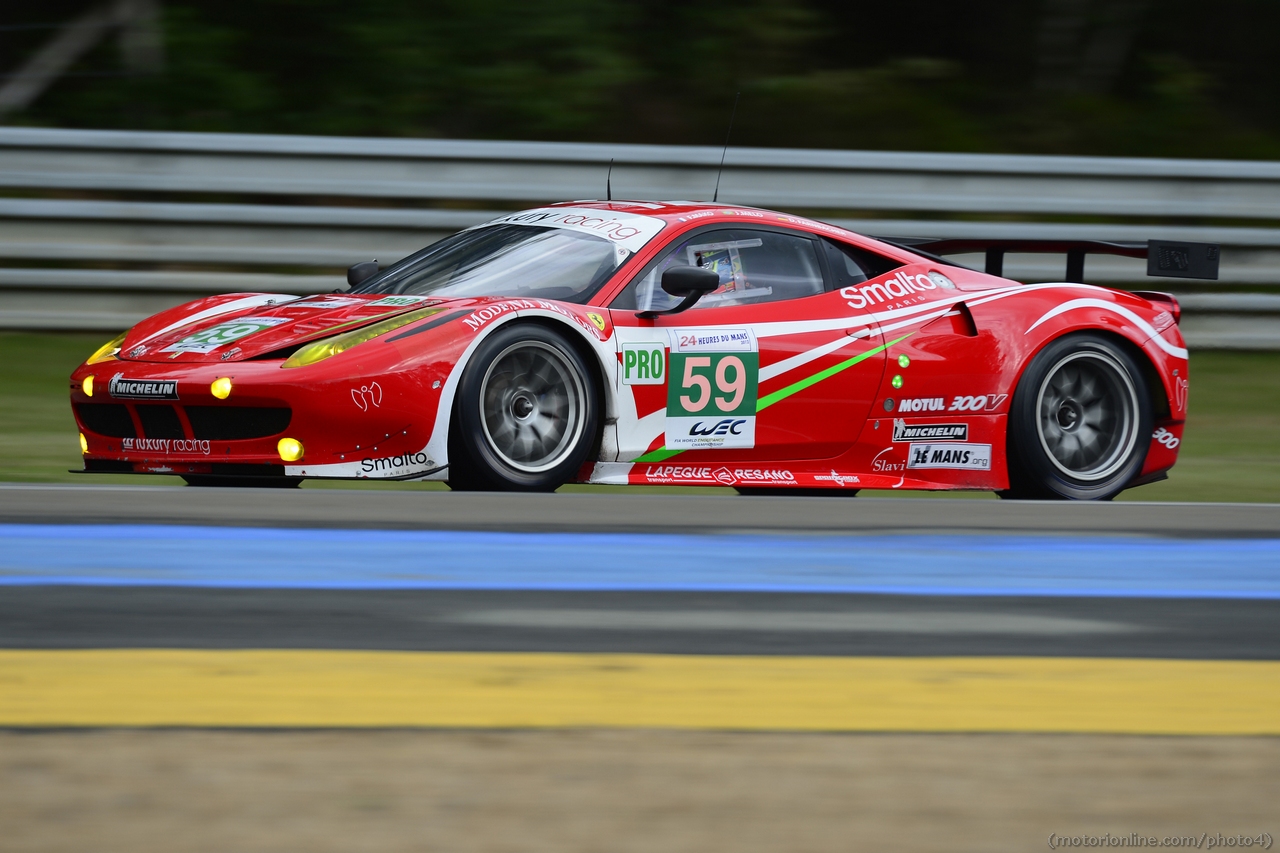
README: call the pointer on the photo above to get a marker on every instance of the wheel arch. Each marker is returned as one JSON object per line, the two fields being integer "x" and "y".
{"x": 591, "y": 351}
{"x": 586, "y": 348}
{"x": 1157, "y": 389}
{"x": 1156, "y": 392}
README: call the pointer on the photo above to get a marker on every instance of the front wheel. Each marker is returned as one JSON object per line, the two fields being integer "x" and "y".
{"x": 526, "y": 415}
{"x": 1080, "y": 422}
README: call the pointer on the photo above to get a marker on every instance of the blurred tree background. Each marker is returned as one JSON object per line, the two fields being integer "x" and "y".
{"x": 1125, "y": 77}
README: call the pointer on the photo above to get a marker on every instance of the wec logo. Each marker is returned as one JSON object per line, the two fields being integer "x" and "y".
{"x": 727, "y": 426}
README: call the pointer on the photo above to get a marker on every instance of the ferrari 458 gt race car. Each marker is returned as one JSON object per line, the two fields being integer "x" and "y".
{"x": 662, "y": 343}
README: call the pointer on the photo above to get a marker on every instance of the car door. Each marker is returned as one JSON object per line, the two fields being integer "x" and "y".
{"x": 774, "y": 365}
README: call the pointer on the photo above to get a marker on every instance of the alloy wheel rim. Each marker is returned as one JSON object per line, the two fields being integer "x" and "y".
{"x": 1087, "y": 416}
{"x": 531, "y": 406}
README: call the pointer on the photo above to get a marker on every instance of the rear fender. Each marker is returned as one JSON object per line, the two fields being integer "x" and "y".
{"x": 1130, "y": 320}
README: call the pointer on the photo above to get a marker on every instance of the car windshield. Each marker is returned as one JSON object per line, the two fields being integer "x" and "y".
{"x": 504, "y": 260}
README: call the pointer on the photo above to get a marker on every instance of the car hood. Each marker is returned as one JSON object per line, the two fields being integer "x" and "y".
{"x": 249, "y": 327}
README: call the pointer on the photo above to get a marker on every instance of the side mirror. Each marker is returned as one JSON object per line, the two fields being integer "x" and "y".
{"x": 686, "y": 281}
{"x": 359, "y": 272}
{"x": 689, "y": 283}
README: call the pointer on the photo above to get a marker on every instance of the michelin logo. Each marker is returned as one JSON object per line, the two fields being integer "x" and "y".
{"x": 902, "y": 431}
{"x": 142, "y": 389}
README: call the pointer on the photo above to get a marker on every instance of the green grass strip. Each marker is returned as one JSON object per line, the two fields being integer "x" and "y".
{"x": 662, "y": 453}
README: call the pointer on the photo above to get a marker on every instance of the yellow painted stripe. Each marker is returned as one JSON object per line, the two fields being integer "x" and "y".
{"x": 158, "y": 687}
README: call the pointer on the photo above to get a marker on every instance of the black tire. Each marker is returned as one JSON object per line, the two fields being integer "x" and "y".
{"x": 783, "y": 491}
{"x": 1080, "y": 422}
{"x": 521, "y": 377}
{"x": 202, "y": 481}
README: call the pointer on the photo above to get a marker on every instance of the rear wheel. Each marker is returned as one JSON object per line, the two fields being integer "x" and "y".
{"x": 1079, "y": 423}
{"x": 526, "y": 414}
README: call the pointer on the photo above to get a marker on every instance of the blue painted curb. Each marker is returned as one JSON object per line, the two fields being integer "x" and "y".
{"x": 134, "y": 555}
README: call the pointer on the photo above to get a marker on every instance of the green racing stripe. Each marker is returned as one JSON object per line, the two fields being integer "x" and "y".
{"x": 662, "y": 453}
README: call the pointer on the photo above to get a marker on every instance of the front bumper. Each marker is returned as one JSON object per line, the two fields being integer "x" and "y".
{"x": 151, "y": 418}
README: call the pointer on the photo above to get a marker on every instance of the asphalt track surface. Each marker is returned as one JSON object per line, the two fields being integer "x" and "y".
{"x": 950, "y": 577}
{"x": 76, "y": 617}
{"x": 638, "y": 512}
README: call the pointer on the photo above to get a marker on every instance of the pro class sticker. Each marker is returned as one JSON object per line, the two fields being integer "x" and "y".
{"x": 712, "y": 387}
{"x": 644, "y": 363}
{"x": 224, "y": 333}
{"x": 969, "y": 457}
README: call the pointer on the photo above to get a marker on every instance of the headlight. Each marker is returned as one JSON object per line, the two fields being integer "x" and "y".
{"x": 322, "y": 349}
{"x": 108, "y": 351}
{"x": 290, "y": 449}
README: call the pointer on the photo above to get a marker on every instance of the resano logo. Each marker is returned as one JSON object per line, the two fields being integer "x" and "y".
{"x": 903, "y": 431}
{"x": 973, "y": 457}
{"x": 142, "y": 389}
{"x": 756, "y": 475}
{"x": 395, "y": 463}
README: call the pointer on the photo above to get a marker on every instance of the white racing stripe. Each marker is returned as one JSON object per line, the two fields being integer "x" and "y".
{"x": 867, "y": 325}
{"x": 225, "y": 308}
{"x": 787, "y": 364}
{"x": 1156, "y": 338}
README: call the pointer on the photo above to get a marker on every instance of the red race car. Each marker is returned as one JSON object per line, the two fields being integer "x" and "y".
{"x": 662, "y": 343}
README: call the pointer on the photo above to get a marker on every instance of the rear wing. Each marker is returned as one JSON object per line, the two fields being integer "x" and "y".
{"x": 1168, "y": 258}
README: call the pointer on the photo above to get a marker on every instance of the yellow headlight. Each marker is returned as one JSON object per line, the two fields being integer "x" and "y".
{"x": 328, "y": 347}
{"x": 108, "y": 351}
{"x": 290, "y": 449}
{"x": 221, "y": 388}
{"x": 84, "y": 444}
{"x": 87, "y": 385}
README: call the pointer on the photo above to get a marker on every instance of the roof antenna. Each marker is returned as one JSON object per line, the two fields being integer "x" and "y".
{"x": 716, "y": 196}
{"x": 608, "y": 183}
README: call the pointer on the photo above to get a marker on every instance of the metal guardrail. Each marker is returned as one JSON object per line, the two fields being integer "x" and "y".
{"x": 79, "y": 250}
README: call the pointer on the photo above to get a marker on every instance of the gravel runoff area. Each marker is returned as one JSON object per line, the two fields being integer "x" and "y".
{"x": 567, "y": 791}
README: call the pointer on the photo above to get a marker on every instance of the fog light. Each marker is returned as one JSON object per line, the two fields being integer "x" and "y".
{"x": 87, "y": 385}
{"x": 84, "y": 444}
{"x": 221, "y": 388}
{"x": 290, "y": 449}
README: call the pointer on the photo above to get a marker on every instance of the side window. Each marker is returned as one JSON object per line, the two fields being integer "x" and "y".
{"x": 851, "y": 265}
{"x": 754, "y": 267}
